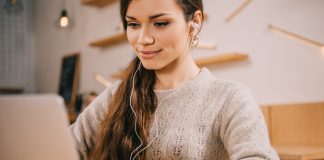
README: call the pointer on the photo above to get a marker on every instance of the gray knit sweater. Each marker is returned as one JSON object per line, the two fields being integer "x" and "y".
{"x": 204, "y": 119}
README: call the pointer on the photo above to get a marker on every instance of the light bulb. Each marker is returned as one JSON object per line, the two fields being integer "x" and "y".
{"x": 64, "y": 21}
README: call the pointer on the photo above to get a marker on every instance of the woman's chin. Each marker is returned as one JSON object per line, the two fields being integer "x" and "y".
{"x": 152, "y": 66}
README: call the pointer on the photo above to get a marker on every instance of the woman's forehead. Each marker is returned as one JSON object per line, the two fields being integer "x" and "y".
{"x": 147, "y": 8}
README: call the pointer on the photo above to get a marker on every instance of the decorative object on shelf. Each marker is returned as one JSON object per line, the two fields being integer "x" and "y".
{"x": 97, "y": 3}
{"x": 297, "y": 37}
{"x": 12, "y": 6}
{"x": 102, "y": 80}
{"x": 116, "y": 38}
{"x": 238, "y": 10}
{"x": 228, "y": 57}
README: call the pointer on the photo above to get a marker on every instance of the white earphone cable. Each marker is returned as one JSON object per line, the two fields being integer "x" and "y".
{"x": 130, "y": 103}
{"x": 155, "y": 121}
{"x": 156, "y": 125}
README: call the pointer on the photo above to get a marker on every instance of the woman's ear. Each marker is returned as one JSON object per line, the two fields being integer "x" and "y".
{"x": 196, "y": 21}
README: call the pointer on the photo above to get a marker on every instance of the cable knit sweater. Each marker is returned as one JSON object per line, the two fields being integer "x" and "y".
{"x": 204, "y": 119}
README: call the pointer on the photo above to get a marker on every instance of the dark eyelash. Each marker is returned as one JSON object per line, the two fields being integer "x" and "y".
{"x": 132, "y": 24}
{"x": 161, "y": 24}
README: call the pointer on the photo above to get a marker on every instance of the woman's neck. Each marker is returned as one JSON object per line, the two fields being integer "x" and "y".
{"x": 176, "y": 73}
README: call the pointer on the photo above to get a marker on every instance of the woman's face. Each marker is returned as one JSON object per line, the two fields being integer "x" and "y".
{"x": 157, "y": 31}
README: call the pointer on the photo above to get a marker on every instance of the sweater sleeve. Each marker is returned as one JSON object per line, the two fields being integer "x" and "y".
{"x": 88, "y": 123}
{"x": 243, "y": 128}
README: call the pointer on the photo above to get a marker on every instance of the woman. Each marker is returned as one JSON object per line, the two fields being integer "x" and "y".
{"x": 166, "y": 107}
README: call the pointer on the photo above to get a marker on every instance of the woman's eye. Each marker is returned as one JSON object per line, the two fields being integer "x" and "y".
{"x": 161, "y": 24}
{"x": 132, "y": 24}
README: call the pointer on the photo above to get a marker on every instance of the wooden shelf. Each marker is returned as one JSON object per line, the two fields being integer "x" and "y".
{"x": 206, "y": 45}
{"x": 202, "y": 62}
{"x": 119, "y": 37}
{"x": 221, "y": 59}
{"x": 97, "y": 3}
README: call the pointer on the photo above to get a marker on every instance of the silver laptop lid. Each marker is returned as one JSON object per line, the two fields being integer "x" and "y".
{"x": 34, "y": 127}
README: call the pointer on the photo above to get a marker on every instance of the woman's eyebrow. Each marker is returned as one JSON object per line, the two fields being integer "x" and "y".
{"x": 150, "y": 17}
{"x": 157, "y": 15}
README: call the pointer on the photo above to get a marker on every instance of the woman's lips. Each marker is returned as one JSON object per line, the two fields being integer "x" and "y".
{"x": 149, "y": 54}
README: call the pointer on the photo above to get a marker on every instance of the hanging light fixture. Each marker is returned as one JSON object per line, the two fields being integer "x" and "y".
{"x": 64, "y": 19}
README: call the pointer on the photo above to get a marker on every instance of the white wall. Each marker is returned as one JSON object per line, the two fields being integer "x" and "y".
{"x": 279, "y": 70}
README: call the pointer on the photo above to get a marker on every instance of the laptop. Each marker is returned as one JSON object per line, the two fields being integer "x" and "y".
{"x": 35, "y": 127}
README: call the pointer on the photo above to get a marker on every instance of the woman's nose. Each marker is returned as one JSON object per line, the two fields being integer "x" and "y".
{"x": 145, "y": 37}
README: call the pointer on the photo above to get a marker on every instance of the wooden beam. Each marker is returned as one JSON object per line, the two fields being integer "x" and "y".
{"x": 221, "y": 59}
{"x": 116, "y": 38}
{"x": 102, "y": 80}
{"x": 297, "y": 37}
{"x": 238, "y": 10}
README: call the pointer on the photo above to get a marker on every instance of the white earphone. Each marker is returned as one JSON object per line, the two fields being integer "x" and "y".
{"x": 195, "y": 26}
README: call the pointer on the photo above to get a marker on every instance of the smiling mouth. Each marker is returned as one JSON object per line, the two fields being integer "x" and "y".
{"x": 149, "y": 54}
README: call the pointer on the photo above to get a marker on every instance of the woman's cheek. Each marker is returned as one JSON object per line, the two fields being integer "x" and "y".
{"x": 168, "y": 37}
{"x": 131, "y": 37}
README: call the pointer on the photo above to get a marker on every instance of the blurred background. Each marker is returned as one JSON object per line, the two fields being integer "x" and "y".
{"x": 278, "y": 69}
{"x": 76, "y": 48}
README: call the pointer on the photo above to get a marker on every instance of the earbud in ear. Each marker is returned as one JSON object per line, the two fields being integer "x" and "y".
{"x": 195, "y": 26}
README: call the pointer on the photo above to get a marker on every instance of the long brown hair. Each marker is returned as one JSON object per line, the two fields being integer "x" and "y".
{"x": 117, "y": 138}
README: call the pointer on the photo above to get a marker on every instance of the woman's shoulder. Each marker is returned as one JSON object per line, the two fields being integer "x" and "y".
{"x": 111, "y": 90}
{"x": 217, "y": 84}
{"x": 226, "y": 90}
{"x": 115, "y": 86}
{"x": 107, "y": 93}
{"x": 228, "y": 84}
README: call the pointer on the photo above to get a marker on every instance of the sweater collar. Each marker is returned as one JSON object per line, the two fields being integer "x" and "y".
{"x": 203, "y": 74}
